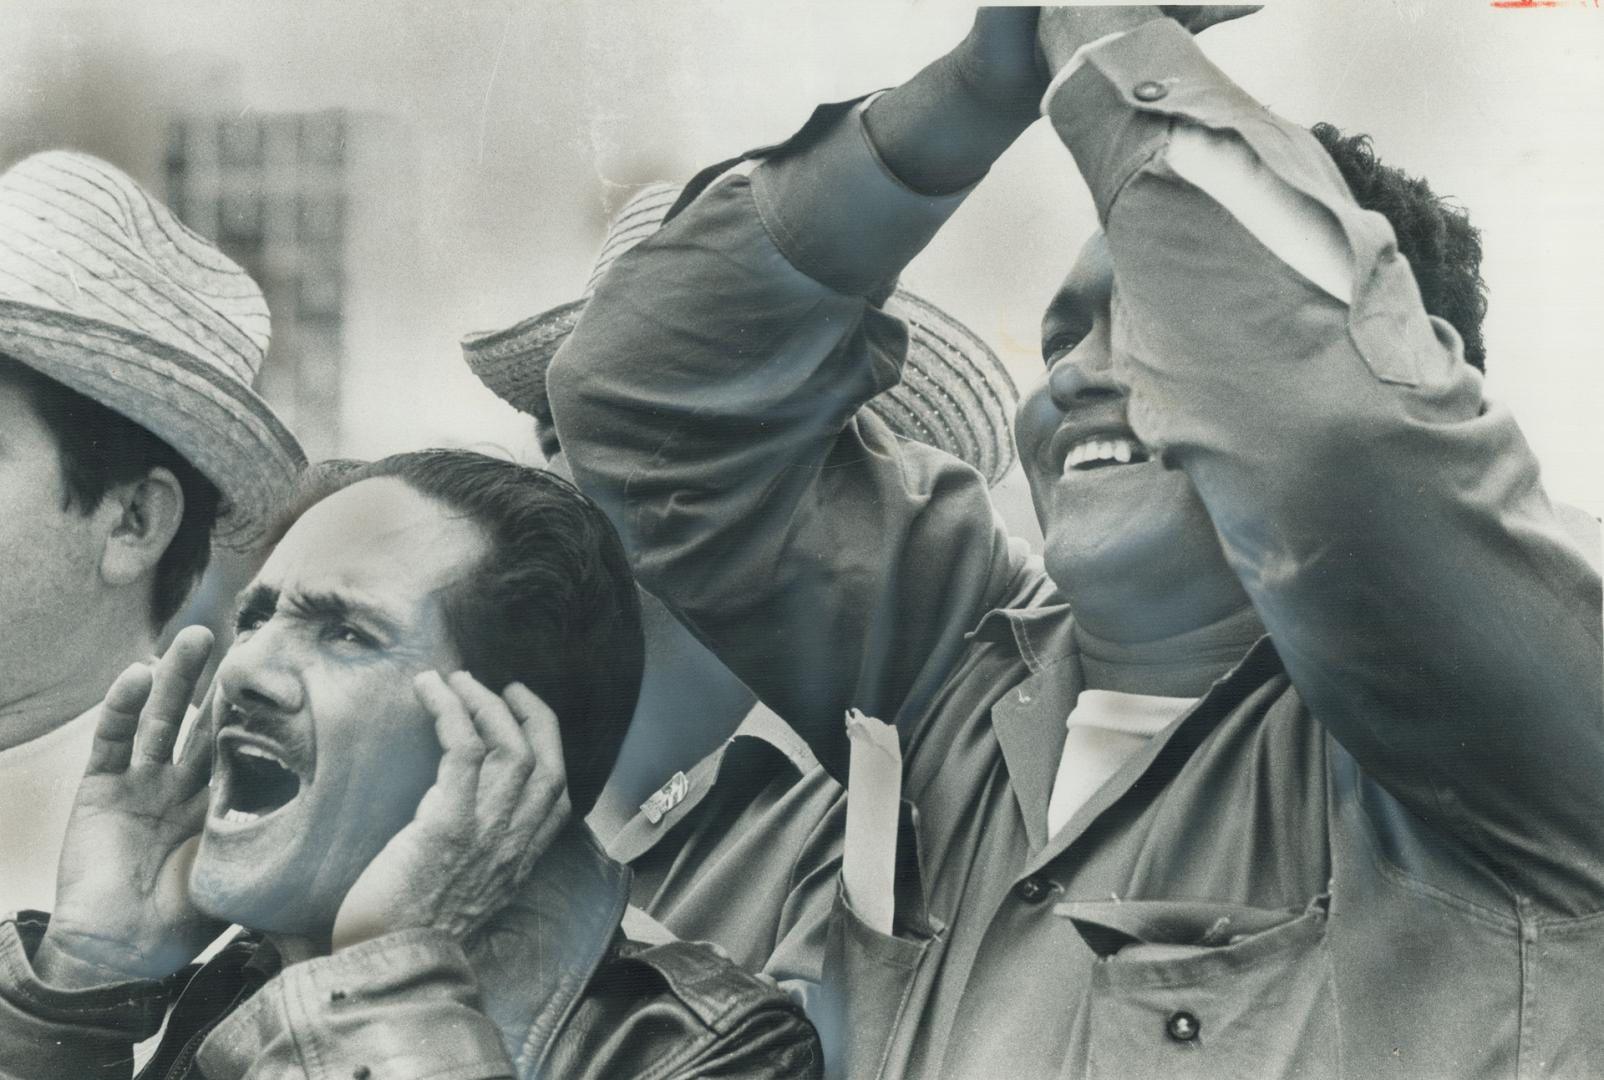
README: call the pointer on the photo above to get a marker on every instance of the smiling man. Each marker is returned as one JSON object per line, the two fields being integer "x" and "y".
{"x": 397, "y": 842}
{"x": 1289, "y": 761}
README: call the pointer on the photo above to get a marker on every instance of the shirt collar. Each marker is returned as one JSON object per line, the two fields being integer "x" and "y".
{"x": 1042, "y": 634}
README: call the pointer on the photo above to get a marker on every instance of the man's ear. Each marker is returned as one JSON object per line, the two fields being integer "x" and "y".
{"x": 141, "y": 518}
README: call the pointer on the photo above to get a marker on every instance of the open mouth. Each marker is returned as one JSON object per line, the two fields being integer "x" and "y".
{"x": 256, "y": 782}
{"x": 1104, "y": 452}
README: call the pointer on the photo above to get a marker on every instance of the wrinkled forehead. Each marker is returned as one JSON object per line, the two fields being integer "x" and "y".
{"x": 1083, "y": 296}
{"x": 377, "y": 534}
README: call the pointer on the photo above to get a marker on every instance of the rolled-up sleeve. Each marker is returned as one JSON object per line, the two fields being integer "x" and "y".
{"x": 1386, "y": 518}
{"x": 709, "y": 400}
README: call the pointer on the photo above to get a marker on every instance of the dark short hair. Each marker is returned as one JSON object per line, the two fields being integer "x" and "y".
{"x": 1443, "y": 248}
{"x": 552, "y": 604}
{"x": 100, "y": 448}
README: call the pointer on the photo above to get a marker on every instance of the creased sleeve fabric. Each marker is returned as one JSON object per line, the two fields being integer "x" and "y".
{"x": 403, "y": 1006}
{"x": 1385, "y": 516}
{"x": 709, "y": 400}
{"x": 47, "y": 1032}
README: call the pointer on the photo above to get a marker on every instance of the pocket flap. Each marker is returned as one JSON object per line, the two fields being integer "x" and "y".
{"x": 1110, "y": 925}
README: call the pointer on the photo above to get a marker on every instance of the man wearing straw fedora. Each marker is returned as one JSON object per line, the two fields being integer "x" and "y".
{"x": 1286, "y": 759}
{"x": 732, "y": 828}
{"x": 130, "y": 441}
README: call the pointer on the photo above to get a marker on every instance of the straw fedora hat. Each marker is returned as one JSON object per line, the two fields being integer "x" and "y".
{"x": 954, "y": 395}
{"x": 104, "y": 291}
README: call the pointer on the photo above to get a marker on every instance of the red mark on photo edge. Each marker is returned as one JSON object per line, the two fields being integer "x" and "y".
{"x": 1544, "y": 3}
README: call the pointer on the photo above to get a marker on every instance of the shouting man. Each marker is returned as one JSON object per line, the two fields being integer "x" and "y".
{"x": 396, "y": 841}
{"x": 1290, "y": 759}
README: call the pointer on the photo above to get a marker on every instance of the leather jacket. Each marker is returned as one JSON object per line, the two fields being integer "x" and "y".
{"x": 551, "y": 988}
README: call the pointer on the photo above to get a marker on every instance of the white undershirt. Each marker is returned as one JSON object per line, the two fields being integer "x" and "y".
{"x": 1106, "y": 728}
{"x": 38, "y": 780}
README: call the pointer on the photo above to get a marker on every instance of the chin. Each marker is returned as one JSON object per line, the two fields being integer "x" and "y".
{"x": 258, "y": 897}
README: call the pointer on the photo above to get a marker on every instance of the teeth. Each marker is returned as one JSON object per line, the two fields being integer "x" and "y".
{"x": 1117, "y": 449}
{"x": 240, "y": 815}
{"x": 247, "y": 750}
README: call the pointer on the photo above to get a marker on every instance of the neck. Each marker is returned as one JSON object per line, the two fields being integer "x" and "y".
{"x": 1180, "y": 665}
{"x": 60, "y": 683}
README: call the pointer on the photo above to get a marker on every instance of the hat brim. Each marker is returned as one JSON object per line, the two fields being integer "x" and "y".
{"x": 216, "y": 422}
{"x": 951, "y": 379}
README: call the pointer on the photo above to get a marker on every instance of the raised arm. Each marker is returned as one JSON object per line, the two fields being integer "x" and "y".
{"x": 709, "y": 399}
{"x": 1386, "y": 519}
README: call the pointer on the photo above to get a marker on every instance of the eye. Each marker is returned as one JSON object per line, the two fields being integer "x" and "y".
{"x": 248, "y": 620}
{"x": 346, "y": 634}
{"x": 1061, "y": 342}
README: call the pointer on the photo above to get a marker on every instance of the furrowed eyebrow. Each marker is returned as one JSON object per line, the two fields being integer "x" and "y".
{"x": 258, "y": 600}
{"x": 333, "y": 606}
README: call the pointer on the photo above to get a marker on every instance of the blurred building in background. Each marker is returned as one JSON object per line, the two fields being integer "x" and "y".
{"x": 271, "y": 190}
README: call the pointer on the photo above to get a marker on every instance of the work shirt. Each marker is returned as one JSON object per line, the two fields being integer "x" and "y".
{"x": 1374, "y": 847}
{"x": 743, "y": 850}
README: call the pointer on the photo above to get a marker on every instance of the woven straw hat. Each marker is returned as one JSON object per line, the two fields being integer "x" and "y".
{"x": 954, "y": 395}
{"x": 104, "y": 291}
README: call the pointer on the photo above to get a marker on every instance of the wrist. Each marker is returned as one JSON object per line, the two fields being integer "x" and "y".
{"x": 938, "y": 133}
{"x": 67, "y": 963}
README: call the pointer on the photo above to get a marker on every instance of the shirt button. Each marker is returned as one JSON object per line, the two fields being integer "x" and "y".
{"x": 361, "y": 1072}
{"x": 1033, "y": 890}
{"x": 1182, "y": 1026}
{"x": 1149, "y": 90}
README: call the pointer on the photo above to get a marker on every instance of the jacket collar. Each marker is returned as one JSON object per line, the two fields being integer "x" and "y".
{"x": 535, "y": 957}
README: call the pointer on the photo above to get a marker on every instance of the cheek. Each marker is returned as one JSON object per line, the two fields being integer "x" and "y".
{"x": 1035, "y": 422}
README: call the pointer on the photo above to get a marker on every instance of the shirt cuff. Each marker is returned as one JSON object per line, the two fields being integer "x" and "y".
{"x": 1075, "y": 61}
{"x": 1115, "y": 110}
{"x": 840, "y": 215}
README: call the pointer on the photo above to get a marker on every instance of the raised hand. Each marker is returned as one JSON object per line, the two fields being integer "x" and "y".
{"x": 499, "y": 798}
{"x": 1062, "y": 30}
{"x": 122, "y": 891}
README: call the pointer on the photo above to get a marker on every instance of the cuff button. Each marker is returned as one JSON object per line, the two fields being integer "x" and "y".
{"x": 1149, "y": 90}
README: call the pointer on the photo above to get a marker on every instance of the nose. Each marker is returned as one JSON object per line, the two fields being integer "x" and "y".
{"x": 256, "y": 671}
{"x": 1083, "y": 375}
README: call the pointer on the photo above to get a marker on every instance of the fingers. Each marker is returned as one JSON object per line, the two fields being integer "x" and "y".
{"x": 502, "y": 774}
{"x": 196, "y": 750}
{"x": 119, "y": 720}
{"x": 544, "y": 808}
{"x": 508, "y": 760}
{"x": 457, "y": 779}
{"x": 172, "y": 687}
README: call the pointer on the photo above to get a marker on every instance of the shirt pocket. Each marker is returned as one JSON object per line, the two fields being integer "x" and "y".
{"x": 1188, "y": 989}
{"x": 868, "y": 987}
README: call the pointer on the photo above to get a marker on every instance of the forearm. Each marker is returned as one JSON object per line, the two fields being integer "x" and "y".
{"x": 707, "y": 400}
{"x": 940, "y": 131}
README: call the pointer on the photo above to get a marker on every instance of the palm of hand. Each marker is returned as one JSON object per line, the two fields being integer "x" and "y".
{"x": 122, "y": 906}
{"x": 133, "y": 836}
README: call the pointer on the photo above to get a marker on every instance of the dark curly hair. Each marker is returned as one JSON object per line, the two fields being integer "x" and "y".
{"x": 1436, "y": 236}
